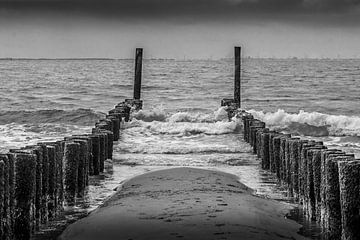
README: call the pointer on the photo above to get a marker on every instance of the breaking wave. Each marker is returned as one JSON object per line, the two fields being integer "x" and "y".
{"x": 159, "y": 114}
{"x": 157, "y": 121}
{"x": 187, "y": 129}
{"x": 311, "y": 123}
{"x": 14, "y": 135}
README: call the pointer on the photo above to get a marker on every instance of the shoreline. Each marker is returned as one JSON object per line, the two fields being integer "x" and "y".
{"x": 187, "y": 203}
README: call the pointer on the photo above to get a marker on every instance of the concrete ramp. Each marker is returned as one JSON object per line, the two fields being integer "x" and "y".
{"x": 185, "y": 203}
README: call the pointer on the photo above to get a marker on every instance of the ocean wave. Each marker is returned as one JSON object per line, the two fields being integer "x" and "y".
{"x": 155, "y": 114}
{"x": 157, "y": 121}
{"x": 14, "y": 135}
{"x": 311, "y": 123}
{"x": 189, "y": 128}
{"x": 159, "y": 114}
{"x": 76, "y": 117}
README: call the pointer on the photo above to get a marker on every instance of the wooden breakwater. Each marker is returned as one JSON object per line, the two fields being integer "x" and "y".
{"x": 324, "y": 181}
{"x": 37, "y": 181}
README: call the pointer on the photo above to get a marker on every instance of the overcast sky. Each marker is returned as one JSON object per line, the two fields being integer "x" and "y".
{"x": 179, "y": 28}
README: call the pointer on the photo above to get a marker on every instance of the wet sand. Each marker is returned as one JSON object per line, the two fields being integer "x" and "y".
{"x": 185, "y": 203}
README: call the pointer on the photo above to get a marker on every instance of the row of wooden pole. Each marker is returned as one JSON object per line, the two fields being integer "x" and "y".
{"x": 37, "y": 181}
{"x": 325, "y": 181}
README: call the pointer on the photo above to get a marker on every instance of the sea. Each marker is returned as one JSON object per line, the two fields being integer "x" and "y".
{"x": 182, "y": 123}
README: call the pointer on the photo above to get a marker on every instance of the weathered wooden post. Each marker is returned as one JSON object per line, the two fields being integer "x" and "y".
{"x": 287, "y": 163}
{"x": 316, "y": 168}
{"x": 325, "y": 154}
{"x": 50, "y": 169}
{"x": 294, "y": 166}
{"x": 276, "y": 155}
{"x": 83, "y": 151}
{"x": 271, "y": 151}
{"x": 257, "y": 148}
{"x": 95, "y": 160}
{"x": 304, "y": 145}
{"x": 71, "y": 161}
{"x": 124, "y": 109}
{"x": 103, "y": 150}
{"x": 116, "y": 126}
{"x": 309, "y": 188}
{"x": 52, "y": 180}
{"x": 138, "y": 70}
{"x": 265, "y": 150}
{"x": 38, "y": 192}
{"x": 255, "y": 124}
{"x": 104, "y": 145}
{"x": 25, "y": 165}
{"x": 237, "y": 90}
{"x": 59, "y": 175}
{"x": 283, "y": 157}
{"x": 5, "y": 216}
{"x": 87, "y": 156}
{"x": 11, "y": 188}
{"x": 333, "y": 206}
{"x": 45, "y": 183}
{"x": 349, "y": 180}
{"x": 2, "y": 188}
{"x": 110, "y": 143}
{"x": 247, "y": 120}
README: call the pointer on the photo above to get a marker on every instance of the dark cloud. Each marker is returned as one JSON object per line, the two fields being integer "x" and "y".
{"x": 160, "y": 8}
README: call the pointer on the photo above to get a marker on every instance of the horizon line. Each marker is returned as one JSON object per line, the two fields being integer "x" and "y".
{"x": 181, "y": 59}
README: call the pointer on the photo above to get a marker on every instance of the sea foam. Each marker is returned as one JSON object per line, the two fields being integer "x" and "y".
{"x": 185, "y": 123}
{"x": 311, "y": 123}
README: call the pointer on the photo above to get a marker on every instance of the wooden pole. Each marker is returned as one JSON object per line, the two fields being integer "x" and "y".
{"x": 52, "y": 181}
{"x": 138, "y": 69}
{"x": 237, "y": 93}
{"x": 2, "y": 193}
{"x": 333, "y": 205}
{"x": 6, "y": 197}
{"x": 349, "y": 182}
{"x": 25, "y": 178}
{"x": 71, "y": 162}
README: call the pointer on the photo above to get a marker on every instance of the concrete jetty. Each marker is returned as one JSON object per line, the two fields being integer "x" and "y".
{"x": 185, "y": 203}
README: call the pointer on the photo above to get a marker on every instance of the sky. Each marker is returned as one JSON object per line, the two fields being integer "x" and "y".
{"x": 179, "y": 28}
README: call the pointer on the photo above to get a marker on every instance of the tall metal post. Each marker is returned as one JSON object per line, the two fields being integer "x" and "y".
{"x": 138, "y": 70}
{"x": 237, "y": 89}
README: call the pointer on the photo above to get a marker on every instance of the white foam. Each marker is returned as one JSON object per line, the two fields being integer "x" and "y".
{"x": 337, "y": 124}
{"x": 159, "y": 114}
{"x": 154, "y": 114}
{"x": 191, "y": 128}
{"x": 15, "y": 135}
{"x": 185, "y": 123}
